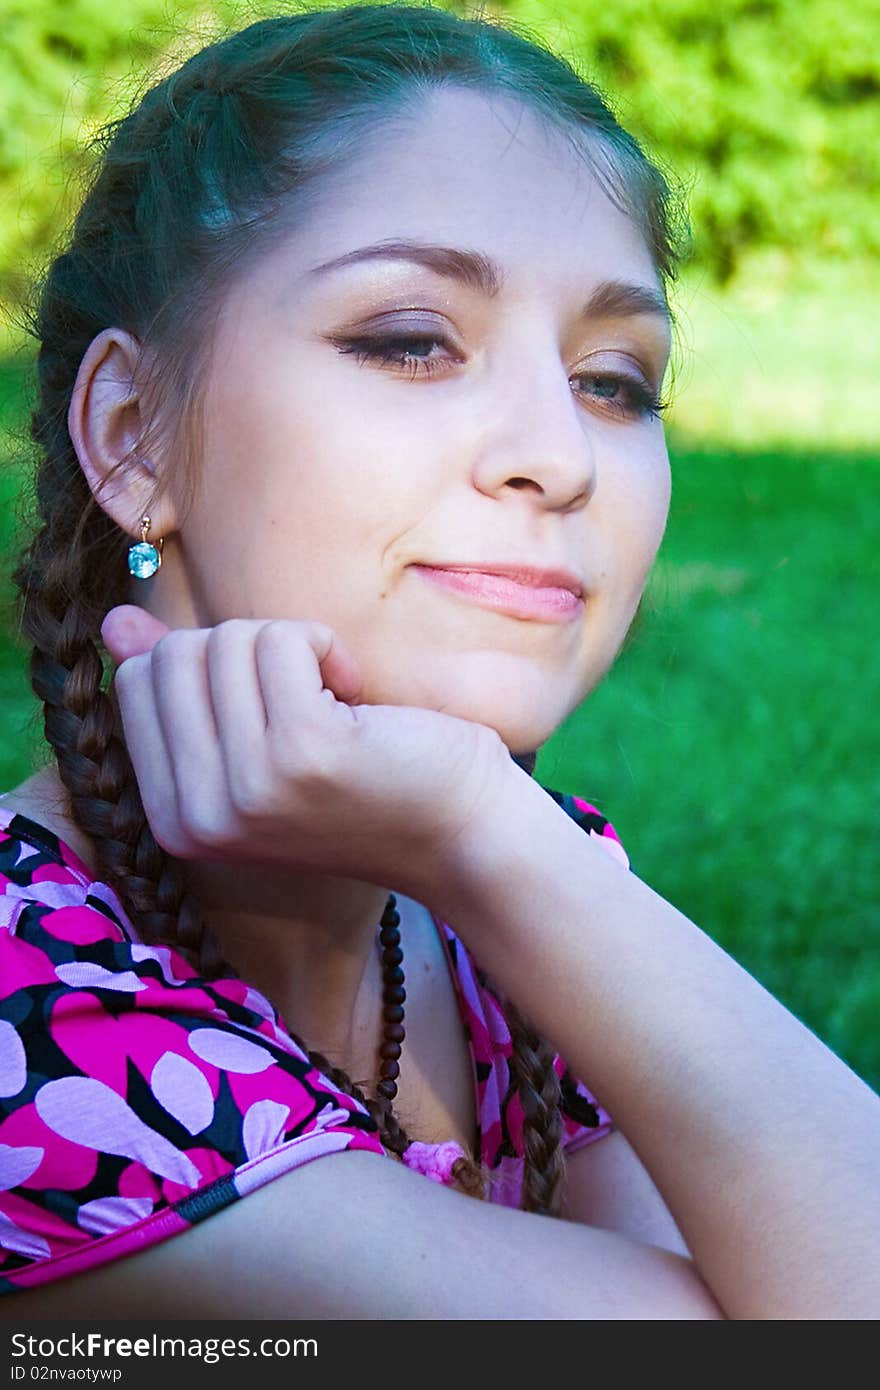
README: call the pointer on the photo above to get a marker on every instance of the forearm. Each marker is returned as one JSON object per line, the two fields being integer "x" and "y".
{"x": 765, "y": 1146}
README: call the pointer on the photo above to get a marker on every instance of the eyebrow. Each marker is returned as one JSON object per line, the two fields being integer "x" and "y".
{"x": 611, "y": 299}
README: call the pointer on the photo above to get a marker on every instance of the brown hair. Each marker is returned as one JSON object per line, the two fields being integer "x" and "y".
{"x": 208, "y": 167}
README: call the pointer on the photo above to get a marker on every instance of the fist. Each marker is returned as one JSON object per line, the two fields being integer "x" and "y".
{"x": 248, "y": 744}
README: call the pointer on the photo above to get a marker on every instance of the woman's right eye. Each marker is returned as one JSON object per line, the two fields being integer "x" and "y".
{"x": 402, "y": 350}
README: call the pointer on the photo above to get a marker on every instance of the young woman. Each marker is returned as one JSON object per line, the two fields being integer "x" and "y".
{"x": 314, "y": 1003}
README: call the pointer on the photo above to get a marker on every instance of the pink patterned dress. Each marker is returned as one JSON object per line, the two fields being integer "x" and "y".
{"x": 137, "y": 1098}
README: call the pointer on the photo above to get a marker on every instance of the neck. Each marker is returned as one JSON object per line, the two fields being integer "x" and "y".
{"x": 306, "y": 941}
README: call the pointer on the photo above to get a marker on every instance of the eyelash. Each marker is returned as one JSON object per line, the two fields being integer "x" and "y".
{"x": 640, "y": 401}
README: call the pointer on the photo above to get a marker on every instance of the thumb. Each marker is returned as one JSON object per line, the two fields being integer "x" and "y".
{"x": 130, "y": 631}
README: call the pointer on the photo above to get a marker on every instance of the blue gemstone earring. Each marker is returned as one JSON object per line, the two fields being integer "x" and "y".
{"x": 145, "y": 558}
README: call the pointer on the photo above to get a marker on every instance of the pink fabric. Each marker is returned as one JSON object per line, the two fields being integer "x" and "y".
{"x": 434, "y": 1161}
{"x": 137, "y": 1099}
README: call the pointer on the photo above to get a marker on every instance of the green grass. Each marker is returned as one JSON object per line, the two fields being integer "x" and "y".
{"x": 735, "y": 743}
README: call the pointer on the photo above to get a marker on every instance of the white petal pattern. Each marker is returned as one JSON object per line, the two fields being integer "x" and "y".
{"x": 107, "y": 1214}
{"x": 263, "y": 1126}
{"x": 229, "y": 1052}
{"x": 13, "y": 1060}
{"x": 85, "y": 1111}
{"x": 25, "y": 1243}
{"x": 18, "y": 1164}
{"x": 85, "y": 974}
{"x": 184, "y": 1091}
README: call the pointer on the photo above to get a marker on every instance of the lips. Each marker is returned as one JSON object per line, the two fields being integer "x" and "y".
{"x": 518, "y": 592}
{"x": 532, "y": 576}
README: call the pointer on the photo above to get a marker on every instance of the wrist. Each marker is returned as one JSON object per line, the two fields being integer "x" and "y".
{"x": 479, "y": 855}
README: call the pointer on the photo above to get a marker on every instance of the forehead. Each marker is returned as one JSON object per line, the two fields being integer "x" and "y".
{"x": 466, "y": 169}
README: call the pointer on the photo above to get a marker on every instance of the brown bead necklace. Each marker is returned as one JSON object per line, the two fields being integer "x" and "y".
{"x": 393, "y": 998}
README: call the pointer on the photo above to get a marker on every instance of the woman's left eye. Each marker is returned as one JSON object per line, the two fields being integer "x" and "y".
{"x": 623, "y": 394}
{"x": 618, "y": 393}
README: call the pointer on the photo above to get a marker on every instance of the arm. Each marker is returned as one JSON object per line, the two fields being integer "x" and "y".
{"x": 356, "y": 1235}
{"x": 608, "y": 1186}
{"x": 763, "y": 1144}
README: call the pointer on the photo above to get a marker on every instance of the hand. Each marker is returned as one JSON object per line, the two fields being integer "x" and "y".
{"x": 248, "y": 744}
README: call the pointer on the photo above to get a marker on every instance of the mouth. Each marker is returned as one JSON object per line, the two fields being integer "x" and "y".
{"x": 533, "y": 595}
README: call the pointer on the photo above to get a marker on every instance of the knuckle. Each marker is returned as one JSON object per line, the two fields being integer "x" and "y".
{"x": 165, "y": 828}
{"x": 173, "y": 646}
{"x": 201, "y": 825}
{"x": 277, "y": 633}
{"x": 130, "y": 675}
{"x": 229, "y": 635}
{"x": 171, "y": 838}
{"x": 309, "y": 763}
{"x": 248, "y": 794}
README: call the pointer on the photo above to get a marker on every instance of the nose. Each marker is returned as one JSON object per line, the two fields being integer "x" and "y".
{"x": 539, "y": 438}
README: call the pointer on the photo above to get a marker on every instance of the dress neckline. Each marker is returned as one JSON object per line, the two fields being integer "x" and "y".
{"x": 41, "y": 837}
{"x": 58, "y": 849}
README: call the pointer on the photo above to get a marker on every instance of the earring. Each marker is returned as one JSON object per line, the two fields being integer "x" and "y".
{"x": 145, "y": 558}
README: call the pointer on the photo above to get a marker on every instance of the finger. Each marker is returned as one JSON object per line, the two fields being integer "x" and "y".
{"x": 149, "y": 754}
{"x": 237, "y": 700}
{"x": 332, "y": 664}
{"x": 129, "y": 631}
{"x": 295, "y": 663}
{"x": 178, "y": 668}
{"x": 339, "y": 668}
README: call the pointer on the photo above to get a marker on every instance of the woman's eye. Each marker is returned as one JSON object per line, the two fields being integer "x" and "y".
{"x": 622, "y": 394}
{"x": 409, "y": 351}
{"x": 619, "y": 394}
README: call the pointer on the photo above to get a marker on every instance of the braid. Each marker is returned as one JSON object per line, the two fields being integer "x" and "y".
{"x": 539, "y": 1092}
{"x": 63, "y": 597}
{"x": 83, "y": 727}
{"x": 538, "y": 1085}
{"x": 533, "y": 1077}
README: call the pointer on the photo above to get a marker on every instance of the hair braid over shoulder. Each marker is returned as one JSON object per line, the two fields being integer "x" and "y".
{"x": 69, "y": 576}
{"x": 539, "y": 1093}
{"x": 535, "y": 1080}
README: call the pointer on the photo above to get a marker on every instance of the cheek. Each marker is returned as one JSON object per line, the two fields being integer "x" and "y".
{"x": 630, "y": 509}
{"x": 293, "y": 469}
{"x": 642, "y": 508}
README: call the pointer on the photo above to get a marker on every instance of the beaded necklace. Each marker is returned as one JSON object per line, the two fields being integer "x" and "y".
{"x": 393, "y": 998}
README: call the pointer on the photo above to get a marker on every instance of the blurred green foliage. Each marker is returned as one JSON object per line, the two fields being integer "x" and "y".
{"x": 767, "y": 109}
{"x": 66, "y": 67}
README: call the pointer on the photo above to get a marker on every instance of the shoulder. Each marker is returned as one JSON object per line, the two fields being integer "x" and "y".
{"x": 41, "y": 879}
{"x": 135, "y": 1097}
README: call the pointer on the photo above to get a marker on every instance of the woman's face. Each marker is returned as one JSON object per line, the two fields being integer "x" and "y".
{"x": 372, "y": 418}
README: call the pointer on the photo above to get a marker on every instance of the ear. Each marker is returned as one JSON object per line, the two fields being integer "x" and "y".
{"x": 106, "y": 427}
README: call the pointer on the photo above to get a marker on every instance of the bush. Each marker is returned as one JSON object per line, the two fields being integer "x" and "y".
{"x": 766, "y": 109}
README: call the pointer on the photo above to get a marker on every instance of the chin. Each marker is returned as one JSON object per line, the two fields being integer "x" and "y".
{"x": 524, "y": 704}
{"x": 519, "y": 730}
